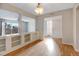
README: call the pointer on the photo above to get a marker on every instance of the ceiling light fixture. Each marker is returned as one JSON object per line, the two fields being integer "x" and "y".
{"x": 39, "y": 9}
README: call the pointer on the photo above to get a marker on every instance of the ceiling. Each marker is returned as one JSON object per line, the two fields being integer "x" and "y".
{"x": 48, "y": 7}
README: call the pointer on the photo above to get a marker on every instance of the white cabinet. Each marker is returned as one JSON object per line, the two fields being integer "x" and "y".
{"x": 2, "y": 44}
{"x": 12, "y": 42}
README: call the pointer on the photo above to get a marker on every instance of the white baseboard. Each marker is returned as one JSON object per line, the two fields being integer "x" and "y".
{"x": 72, "y": 45}
{"x": 67, "y": 43}
{"x": 77, "y": 50}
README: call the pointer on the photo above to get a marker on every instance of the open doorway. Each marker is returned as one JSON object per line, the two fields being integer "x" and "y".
{"x": 53, "y": 27}
{"x": 48, "y": 27}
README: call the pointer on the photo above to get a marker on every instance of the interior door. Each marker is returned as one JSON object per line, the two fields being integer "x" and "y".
{"x": 49, "y": 28}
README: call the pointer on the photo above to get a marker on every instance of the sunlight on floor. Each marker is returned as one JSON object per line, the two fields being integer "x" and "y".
{"x": 47, "y": 47}
{"x": 50, "y": 44}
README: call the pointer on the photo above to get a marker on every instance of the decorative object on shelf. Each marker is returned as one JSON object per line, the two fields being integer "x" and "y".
{"x": 39, "y": 9}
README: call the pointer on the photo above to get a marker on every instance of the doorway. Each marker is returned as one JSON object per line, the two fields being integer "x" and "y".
{"x": 48, "y": 27}
{"x": 53, "y": 27}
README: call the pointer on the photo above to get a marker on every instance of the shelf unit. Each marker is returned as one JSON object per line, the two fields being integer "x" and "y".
{"x": 2, "y": 44}
{"x": 14, "y": 41}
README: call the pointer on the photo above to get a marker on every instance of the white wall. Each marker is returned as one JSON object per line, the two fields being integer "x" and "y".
{"x": 67, "y": 24}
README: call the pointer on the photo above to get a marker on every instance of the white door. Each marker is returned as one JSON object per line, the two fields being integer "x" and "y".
{"x": 48, "y": 27}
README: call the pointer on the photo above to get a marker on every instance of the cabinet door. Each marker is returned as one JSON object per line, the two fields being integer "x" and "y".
{"x": 16, "y": 40}
{"x": 2, "y": 45}
{"x": 27, "y": 38}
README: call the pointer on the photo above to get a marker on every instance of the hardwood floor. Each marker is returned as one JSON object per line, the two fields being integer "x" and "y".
{"x": 47, "y": 47}
{"x": 66, "y": 50}
{"x": 44, "y": 48}
{"x": 20, "y": 50}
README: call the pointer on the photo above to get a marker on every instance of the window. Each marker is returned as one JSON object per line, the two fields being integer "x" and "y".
{"x": 8, "y": 22}
{"x": 49, "y": 27}
{"x": 28, "y": 24}
{"x": 25, "y": 23}
{"x": 11, "y": 26}
{"x": 0, "y": 27}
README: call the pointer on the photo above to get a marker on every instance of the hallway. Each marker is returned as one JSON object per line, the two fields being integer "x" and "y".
{"x": 48, "y": 47}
